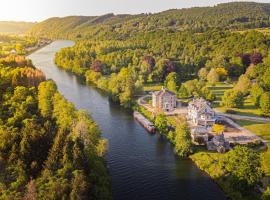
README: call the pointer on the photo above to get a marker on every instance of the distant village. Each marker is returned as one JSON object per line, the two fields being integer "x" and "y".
{"x": 201, "y": 119}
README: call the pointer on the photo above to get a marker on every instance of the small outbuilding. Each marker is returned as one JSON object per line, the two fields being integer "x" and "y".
{"x": 219, "y": 144}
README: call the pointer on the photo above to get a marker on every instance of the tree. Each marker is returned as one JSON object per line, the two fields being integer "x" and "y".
{"x": 97, "y": 66}
{"x": 245, "y": 59}
{"x": 183, "y": 92}
{"x": 251, "y": 72}
{"x": 213, "y": 76}
{"x": 203, "y": 74}
{"x": 218, "y": 128}
{"x": 182, "y": 140}
{"x": 222, "y": 72}
{"x": 256, "y": 92}
{"x": 31, "y": 193}
{"x": 256, "y": 58}
{"x": 79, "y": 186}
{"x": 266, "y": 194}
{"x": 171, "y": 82}
{"x": 46, "y": 91}
{"x": 243, "y": 165}
{"x": 207, "y": 94}
{"x": 266, "y": 78}
{"x": 243, "y": 85}
{"x": 232, "y": 99}
{"x": 150, "y": 61}
{"x": 161, "y": 123}
{"x": 265, "y": 102}
{"x": 146, "y": 69}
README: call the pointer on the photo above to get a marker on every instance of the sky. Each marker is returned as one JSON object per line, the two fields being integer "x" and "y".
{"x": 38, "y": 10}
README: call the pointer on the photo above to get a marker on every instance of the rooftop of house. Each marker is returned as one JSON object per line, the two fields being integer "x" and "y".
{"x": 163, "y": 91}
{"x": 198, "y": 104}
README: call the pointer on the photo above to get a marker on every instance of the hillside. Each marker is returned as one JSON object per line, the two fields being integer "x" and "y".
{"x": 235, "y": 15}
{"x": 15, "y": 27}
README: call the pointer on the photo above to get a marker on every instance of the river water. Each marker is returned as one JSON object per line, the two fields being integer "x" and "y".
{"x": 142, "y": 166}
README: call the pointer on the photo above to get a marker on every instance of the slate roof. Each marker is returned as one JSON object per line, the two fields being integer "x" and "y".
{"x": 199, "y": 104}
{"x": 164, "y": 91}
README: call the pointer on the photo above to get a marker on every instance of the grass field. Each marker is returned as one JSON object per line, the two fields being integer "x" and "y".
{"x": 260, "y": 129}
{"x": 248, "y": 108}
{"x": 219, "y": 89}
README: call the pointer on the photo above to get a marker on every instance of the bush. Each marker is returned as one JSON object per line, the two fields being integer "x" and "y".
{"x": 233, "y": 99}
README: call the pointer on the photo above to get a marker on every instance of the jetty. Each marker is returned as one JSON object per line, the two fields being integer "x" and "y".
{"x": 144, "y": 122}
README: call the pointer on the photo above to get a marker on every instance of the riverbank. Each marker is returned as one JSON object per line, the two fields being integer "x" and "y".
{"x": 99, "y": 84}
{"x": 136, "y": 160}
{"x": 38, "y": 47}
{"x": 212, "y": 164}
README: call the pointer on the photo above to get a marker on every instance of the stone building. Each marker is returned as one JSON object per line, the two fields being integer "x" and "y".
{"x": 164, "y": 100}
{"x": 201, "y": 113}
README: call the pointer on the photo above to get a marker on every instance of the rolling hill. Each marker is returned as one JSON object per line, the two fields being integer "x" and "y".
{"x": 233, "y": 16}
{"x": 7, "y": 27}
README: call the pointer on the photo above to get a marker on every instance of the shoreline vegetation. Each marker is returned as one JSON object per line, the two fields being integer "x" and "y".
{"x": 222, "y": 56}
{"x": 49, "y": 149}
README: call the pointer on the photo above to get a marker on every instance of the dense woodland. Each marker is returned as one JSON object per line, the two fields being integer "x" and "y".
{"x": 185, "y": 67}
{"x": 187, "y": 50}
{"x": 236, "y": 15}
{"x": 48, "y": 149}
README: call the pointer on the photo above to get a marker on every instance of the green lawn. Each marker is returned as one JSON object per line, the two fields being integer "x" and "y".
{"x": 260, "y": 129}
{"x": 248, "y": 109}
{"x": 219, "y": 89}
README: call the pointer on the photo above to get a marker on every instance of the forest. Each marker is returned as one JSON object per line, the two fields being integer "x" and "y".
{"x": 228, "y": 16}
{"x": 190, "y": 51}
{"x": 185, "y": 67}
{"x": 48, "y": 149}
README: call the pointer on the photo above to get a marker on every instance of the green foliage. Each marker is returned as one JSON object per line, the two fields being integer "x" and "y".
{"x": 265, "y": 103}
{"x": 171, "y": 82}
{"x": 266, "y": 194}
{"x": 48, "y": 149}
{"x": 161, "y": 123}
{"x": 46, "y": 91}
{"x": 243, "y": 164}
{"x": 235, "y": 15}
{"x": 243, "y": 85}
{"x": 213, "y": 77}
{"x": 182, "y": 140}
{"x": 256, "y": 92}
{"x": 266, "y": 78}
{"x": 232, "y": 99}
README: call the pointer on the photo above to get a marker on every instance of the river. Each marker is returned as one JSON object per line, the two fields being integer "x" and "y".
{"x": 142, "y": 166}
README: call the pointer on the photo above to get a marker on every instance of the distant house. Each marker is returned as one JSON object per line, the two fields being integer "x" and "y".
{"x": 201, "y": 113}
{"x": 219, "y": 144}
{"x": 164, "y": 100}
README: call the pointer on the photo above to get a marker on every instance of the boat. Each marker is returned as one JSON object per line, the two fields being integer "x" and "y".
{"x": 144, "y": 122}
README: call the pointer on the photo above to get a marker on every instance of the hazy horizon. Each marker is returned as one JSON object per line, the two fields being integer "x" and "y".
{"x": 39, "y": 10}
